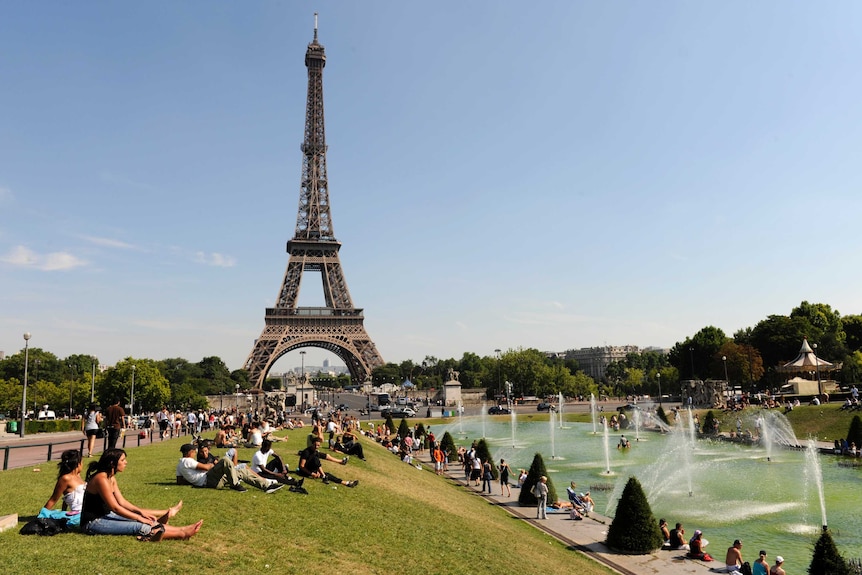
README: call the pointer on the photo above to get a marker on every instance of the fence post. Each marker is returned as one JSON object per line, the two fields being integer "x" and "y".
{"x": 6, "y": 458}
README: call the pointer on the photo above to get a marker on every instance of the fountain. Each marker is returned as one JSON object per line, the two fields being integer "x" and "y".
{"x": 814, "y": 473}
{"x": 514, "y": 421}
{"x": 636, "y": 419}
{"x": 607, "y": 443}
{"x": 734, "y": 493}
{"x": 484, "y": 414}
{"x": 775, "y": 430}
{"x": 593, "y": 411}
{"x": 551, "y": 419}
{"x": 460, "y": 419}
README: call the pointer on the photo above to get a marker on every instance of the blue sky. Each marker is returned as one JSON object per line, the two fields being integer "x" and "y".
{"x": 568, "y": 175}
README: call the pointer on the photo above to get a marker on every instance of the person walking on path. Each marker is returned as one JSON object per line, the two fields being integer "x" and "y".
{"x": 541, "y": 493}
{"x": 504, "y": 477}
{"x": 114, "y": 420}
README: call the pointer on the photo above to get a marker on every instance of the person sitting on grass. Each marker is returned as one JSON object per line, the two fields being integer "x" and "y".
{"x": 310, "y": 464}
{"x": 351, "y": 445}
{"x": 106, "y": 512}
{"x": 275, "y": 469}
{"x": 69, "y": 487}
{"x": 216, "y": 475}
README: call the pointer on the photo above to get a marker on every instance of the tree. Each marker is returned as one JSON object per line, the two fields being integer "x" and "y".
{"x": 537, "y": 470}
{"x": 708, "y": 423}
{"x": 826, "y": 328}
{"x": 854, "y": 434}
{"x": 484, "y": 454}
{"x": 853, "y": 332}
{"x": 390, "y": 425}
{"x": 634, "y": 528}
{"x": 694, "y": 356}
{"x": 152, "y": 390}
{"x": 826, "y": 560}
{"x": 744, "y": 363}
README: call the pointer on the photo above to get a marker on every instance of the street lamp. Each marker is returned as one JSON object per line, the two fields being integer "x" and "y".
{"x": 134, "y": 367}
{"x": 724, "y": 360}
{"x": 658, "y": 376}
{"x": 93, "y": 385}
{"x": 24, "y": 397}
{"x": 817, "y": 368}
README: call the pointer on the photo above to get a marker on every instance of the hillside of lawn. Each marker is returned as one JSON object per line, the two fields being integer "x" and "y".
{"x": 399, "y": 519}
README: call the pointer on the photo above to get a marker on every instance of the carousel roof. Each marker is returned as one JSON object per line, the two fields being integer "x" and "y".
{"x": 806, "y": 360}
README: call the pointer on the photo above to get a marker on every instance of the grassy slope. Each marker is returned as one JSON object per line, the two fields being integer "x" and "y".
{"x": 398, "y": 520}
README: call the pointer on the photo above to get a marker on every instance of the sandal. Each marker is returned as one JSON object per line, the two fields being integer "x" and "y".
{"x": 156, "y": 532}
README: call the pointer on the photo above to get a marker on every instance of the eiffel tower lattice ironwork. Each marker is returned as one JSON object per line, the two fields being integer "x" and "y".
{"x": 338, "y": 327}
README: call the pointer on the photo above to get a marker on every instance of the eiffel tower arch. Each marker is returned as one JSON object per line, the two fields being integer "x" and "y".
{"x": 338, "y": 326}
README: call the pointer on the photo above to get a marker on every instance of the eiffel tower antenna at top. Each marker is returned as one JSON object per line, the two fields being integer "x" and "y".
{"x": 315, "y": 28}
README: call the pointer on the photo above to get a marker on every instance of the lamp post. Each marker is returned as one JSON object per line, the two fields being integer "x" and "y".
{"x": 74, "y": 371}
{"x": 93, "y": 385}
{"x": 36, "y": 379}
{"x": 134, "y": 367}
{"x": 658, "y": 376}
{"x": 302, "y": 379}
{"x": 817, "y": 369}
{"x": 724, "y": 361}
{"x": 24, "y": 397}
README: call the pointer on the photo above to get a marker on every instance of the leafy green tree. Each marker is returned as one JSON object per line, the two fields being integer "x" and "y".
{"x": 853, "y": 332}
{"x": 151, "y": 388}
{"x": 852, "y": 367}
{"x": 389, "y": 423}
{"x": 826, "y": 328}
{"x": 662, "y": 415}
{"x": 634, "y": 529}
{"x": 483, "y": 453}
{"x": 854, "y": 433}
{"x": 778, "y": 338}
{"x": 536, "y": 471}
{"x": 697, "y": 353}
{"x": 744, "y": 363}
{"x": 826, "y": 560}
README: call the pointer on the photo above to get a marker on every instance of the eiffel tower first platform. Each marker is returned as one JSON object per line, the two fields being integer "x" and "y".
{"x": 338, "y": 327}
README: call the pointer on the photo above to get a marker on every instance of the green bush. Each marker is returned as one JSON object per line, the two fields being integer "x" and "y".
{"x": 854, "y": 434}
{"x": 51, "y": 426}
{"x": 484, "y": 454}
{"x": 826, "y": 560}
{"x": 390, "y": 424}
{"x": 537, "y": 470}
{"x": 634, "y": 528}
{"x": 447, "y": 445}
{"x": 708, "y": 423}
{"x": 403, "y": 429}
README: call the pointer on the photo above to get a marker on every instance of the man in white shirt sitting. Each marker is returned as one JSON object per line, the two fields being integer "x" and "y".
{"x": 216, "y": 475}
{"x": 275, "y": 469}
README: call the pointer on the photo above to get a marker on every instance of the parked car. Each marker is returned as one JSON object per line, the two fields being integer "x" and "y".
{"x": 499, "y": 410}
{"x": 545, "y": 406}
{"x": 402, "y": 412}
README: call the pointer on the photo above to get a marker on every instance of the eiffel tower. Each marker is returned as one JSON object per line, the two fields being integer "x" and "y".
{"x": 338, "y": 327}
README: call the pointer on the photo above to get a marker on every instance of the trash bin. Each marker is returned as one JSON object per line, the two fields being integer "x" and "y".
{"x": 11, "y": 426}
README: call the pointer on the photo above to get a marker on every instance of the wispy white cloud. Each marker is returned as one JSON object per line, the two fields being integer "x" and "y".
{"x": 109, "y": 243}
{"x": 215, "y": 259}
{"x": 22, "y": 256}
{"x": 125, "y": 181}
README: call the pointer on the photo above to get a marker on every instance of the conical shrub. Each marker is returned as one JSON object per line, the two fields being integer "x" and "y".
{"x": 447, "y": 445}
{"x": 537, "y": 470}
{"x": 484, "y": 454}
{"x": 854, "y": 434}
{"x": 826, "y": 559}
{"x": 634, "y": 528}
{"x": 403, "y": 429}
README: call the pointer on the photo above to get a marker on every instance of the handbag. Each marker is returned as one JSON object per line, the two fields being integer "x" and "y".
{"x": 100, "y": 433}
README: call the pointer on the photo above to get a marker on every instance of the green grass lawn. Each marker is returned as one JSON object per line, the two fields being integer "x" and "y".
{"x": 398, "y": 520}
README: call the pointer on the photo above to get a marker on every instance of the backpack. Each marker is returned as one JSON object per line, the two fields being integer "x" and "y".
{"x": 746, "y": 568}
{"x": 44, "y": 526}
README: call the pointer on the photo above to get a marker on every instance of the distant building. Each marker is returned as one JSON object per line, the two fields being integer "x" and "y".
{"x": 594, "y": 361}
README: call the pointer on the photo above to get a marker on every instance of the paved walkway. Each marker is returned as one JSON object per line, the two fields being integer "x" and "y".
{"x": 588, "y": 535}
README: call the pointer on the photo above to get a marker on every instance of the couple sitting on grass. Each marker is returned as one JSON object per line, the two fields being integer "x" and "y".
{"x": 98, "y": 504}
